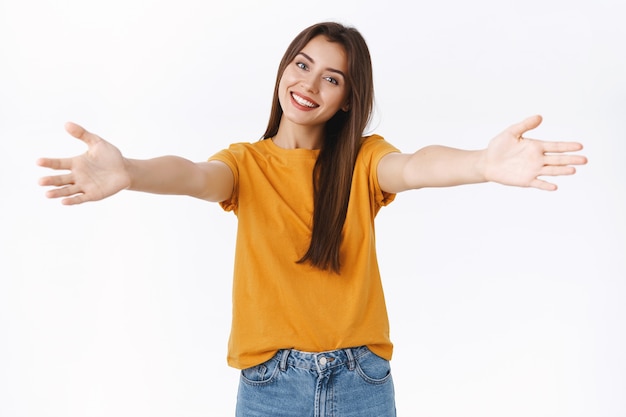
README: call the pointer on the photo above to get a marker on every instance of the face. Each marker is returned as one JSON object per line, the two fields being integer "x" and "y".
{"x": 313, "y": 86}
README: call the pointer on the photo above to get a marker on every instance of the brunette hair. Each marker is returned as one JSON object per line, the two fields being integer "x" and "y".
{"x": 332, "y": 175}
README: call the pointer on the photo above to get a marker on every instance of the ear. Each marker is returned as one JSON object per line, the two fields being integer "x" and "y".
{"x": 346, "y": 107}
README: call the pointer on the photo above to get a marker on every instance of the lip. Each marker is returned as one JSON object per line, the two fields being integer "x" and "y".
{"x": 300, "y": 106}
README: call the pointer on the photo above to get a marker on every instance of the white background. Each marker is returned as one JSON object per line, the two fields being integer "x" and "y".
{"x": 502, "y": 301}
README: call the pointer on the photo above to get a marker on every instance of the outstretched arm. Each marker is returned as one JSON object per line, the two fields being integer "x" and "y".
{"x": 103, "y": 171}
{"x": 510, "y": 159}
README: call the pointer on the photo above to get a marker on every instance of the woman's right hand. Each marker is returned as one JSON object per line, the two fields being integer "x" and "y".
{"x": 98, "y": 173}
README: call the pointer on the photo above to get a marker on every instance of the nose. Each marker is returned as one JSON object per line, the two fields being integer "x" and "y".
{"x": 310, "y": 83}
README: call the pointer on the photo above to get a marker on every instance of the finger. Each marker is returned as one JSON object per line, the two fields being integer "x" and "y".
{"x": 80, "y": 133}
{"x": 77, "y": 199}
{"x": 560, "y": 147}
{"x": 525, "y": 125}
{"x": 565, "y": 160}
{"x": 543, "y": 185}
{"x": 70, "y": 190}
{"x": 57, "y": 180}
{"x": 554, "y": 171}
{"x": 55, "y": 163}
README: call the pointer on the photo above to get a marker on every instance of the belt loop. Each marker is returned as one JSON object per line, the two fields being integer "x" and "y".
{"x": 351, "y": 362}
{"x": 284, "y": 355}
{"x": 317, "y": 364}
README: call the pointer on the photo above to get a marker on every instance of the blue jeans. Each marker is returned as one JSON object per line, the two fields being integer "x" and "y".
{"x": 341, "y": 383}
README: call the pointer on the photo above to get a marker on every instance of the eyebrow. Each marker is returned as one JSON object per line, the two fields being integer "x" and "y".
{"x": 328, "y": 69}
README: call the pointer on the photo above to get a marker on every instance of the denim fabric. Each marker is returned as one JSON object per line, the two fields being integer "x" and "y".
{"x": 341, "y": 383}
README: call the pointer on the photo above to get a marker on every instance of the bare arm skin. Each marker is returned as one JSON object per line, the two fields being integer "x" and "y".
{"x": 103, "y": 171}
{"x": 510, "y": 159}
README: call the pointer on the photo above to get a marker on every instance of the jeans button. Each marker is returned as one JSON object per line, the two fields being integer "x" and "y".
{"x": 323, "y": 361}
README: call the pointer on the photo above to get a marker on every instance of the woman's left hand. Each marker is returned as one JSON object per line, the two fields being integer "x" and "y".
{"x": 513, "y": 159}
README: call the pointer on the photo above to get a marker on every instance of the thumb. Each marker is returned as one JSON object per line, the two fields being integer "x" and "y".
{"x": 80, "y": 133}
{"x": 525, "y": 125}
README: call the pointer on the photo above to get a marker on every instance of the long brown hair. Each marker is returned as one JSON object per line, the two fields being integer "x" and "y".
{"x": 332, "y": 175}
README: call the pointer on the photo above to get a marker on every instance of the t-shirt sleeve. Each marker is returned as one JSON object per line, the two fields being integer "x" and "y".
{"x": 229, "y": 157}
{"x": 373, "y": 149}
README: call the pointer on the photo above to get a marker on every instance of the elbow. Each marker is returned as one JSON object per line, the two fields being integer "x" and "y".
{"x": 214, "y": 195}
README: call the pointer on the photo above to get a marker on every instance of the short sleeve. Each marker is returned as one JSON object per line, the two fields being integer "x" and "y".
{"x": 229, "y": 157}
{"x": 373, "y": 149}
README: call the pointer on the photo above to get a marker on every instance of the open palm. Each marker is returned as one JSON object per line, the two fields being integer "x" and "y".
{"x": 512, "y": 159}
{"x": 98, "y": 173}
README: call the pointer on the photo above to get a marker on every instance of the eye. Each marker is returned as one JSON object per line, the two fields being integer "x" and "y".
{"x": 302, "y": 66}
{"x": 332, "y": 80}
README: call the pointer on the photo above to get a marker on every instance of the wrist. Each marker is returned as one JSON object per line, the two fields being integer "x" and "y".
{"x": 481, "y": 166}
{"x": 130, "y": 166}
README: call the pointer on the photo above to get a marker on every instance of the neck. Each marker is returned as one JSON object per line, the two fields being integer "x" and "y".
{"x": 293, "y": 136}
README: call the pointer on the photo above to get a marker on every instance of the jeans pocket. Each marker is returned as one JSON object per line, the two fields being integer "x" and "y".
{"x": 261, "y": 374}
{"x": 373, "y": 369}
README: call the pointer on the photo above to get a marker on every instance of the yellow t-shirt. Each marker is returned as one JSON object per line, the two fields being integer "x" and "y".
{"x": 278, "y": 303}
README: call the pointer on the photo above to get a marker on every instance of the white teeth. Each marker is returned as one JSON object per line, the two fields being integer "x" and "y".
{"x": 302, "y": 101}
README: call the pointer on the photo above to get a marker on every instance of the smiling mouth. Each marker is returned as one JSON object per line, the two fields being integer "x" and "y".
{"x": 303, "y": 102}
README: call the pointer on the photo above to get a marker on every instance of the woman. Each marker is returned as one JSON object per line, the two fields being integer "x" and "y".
{"x": 310, "y": 330}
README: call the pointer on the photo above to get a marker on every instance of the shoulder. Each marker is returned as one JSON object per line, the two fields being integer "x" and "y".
{"x": 239, "y": 150}
{"x": 258, "y": 146}
{"x": 374, "y": 147}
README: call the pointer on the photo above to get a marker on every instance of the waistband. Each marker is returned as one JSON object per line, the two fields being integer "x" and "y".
{"x": 320, "y": 361}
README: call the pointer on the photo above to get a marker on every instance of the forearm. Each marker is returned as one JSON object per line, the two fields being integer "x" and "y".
{"x": 441, "y": 166}
{"x": 165, "y": 175}
{"x": 103, "y": 171}
{"x": 509, "y": 159}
